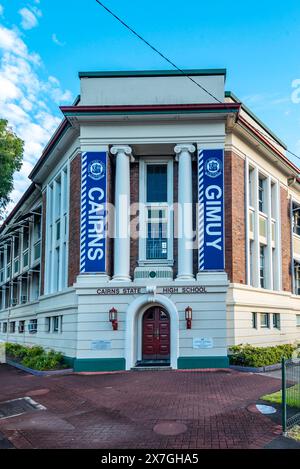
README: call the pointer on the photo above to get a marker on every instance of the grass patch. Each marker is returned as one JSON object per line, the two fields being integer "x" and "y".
{"x": 295, "y": 432}
{"x": 292, "y": 397}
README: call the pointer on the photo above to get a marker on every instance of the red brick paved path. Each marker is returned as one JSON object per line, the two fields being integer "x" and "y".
{"x": 120, "y": 410}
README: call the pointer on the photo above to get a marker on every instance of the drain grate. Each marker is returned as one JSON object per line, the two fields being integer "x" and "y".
{"x": 18, "y": 407}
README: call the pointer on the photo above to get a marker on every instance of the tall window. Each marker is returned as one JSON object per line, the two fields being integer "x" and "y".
{"x": 276, "y": 321}
{"x": 254, "y": 320}
{"x": 297, "y": 277}
{"x": 264, "y": 320}
{"x": 296, "y": 219}
{"x": 261, "y": 194}
{"x": 262, "y": 266}
{"x": 56, "y": 233}
{"x": 157, "y": 211}
{"x": 250, "y": 185}
{"x": 25, "y": 247}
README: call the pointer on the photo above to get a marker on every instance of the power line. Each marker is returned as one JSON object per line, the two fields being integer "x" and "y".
{"x": 178, "y": 68}
{"x": 157, "y": 51}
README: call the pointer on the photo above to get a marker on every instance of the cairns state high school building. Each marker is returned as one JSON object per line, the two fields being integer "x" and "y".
{"x": 161, "y": 226}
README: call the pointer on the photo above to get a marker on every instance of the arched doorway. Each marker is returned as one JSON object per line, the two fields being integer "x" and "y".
{"x": 156, "y": 336}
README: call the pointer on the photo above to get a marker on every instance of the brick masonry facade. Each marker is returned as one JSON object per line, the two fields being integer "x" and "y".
{"x": 235, "y": 228}
{"x": 286, "y": 257}
{"x": 74, "y": 219}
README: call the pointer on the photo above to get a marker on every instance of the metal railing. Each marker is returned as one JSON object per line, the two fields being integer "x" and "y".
{"x": 290, "y": 393}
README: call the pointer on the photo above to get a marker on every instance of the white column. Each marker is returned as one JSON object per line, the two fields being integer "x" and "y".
{"x": 185, "y": 211}
{"x": 122, "y": 212}
{"x": 269, "y": 260}
{"x": 247, "y": 203}
{"x": 278, "y": 263}
{"x": 256, "y": 244}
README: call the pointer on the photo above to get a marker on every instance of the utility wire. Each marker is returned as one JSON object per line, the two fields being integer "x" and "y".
{"x": 157, "y": 51}
{"x": 178, "y": 68}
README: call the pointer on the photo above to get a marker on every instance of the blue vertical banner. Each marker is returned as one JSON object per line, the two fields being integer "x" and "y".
{"x": 93, "y": 212}
{"x": 211, "y": 209}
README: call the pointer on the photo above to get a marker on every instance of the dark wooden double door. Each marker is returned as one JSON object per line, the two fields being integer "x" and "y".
{"x": 156, "y": 334}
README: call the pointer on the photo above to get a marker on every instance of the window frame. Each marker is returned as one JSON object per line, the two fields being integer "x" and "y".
{"x": 276, "y": 321}
{"x": 168, "y": 206}
{"x": 262, "y": 266}
{"x": 254, "y": 320}
{"x": 21, "y": 326}
{"x": 263, "y": 326}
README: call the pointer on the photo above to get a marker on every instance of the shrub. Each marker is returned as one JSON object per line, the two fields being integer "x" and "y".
{"x": 248, "y": 355}
{"x": 35, "y": 357}
{"x": 16, "y": 351}
{"x": 45, "y": 361}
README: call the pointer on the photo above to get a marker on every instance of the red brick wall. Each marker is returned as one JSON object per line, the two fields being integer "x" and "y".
{"x": 285, "y": 240}
{"x": 235, "y": 229}
{"x": 134, "y": 199}
{"x": 43, "y": 257}
{"x": 74, "y": 219}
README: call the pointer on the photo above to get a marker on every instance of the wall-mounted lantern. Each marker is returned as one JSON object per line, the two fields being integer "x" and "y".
{"x": 188, "y": 317}
{"x": 113, "y": 318}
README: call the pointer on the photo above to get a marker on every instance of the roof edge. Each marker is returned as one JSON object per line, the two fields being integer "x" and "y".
{"x": 152, "y": 73}
{"x": 29, "y": 191}
{"x": 229, "y": 94}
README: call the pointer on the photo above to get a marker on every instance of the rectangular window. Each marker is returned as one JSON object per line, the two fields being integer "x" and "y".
{"x": 251, "y": 252}
{"x": 261, "y": 195}
{"x": 157, "y": 183}
{"x": 48, "y": 324}
{"x": 250, "y": 183}
{"x": 254, "y": 320}
{"x": 297, "y": 277}
{"x": 21, "y": 327}
{"x": 12, "y": 327}
{"x": 32, "y": 326}
{"x": 56, "y": 323}
{"x": 296, "y": 219}
{"x": 157, "y": 226}
{"x": 4, "y": 327}
{"x": 276, "y": 321}
{"x": 35, "y": 284}
{"x": 57, "y": 233}
{"x": 157, "y": 213}
{"x": 298, "y": 320}
{"x": 262, "y": 266}
{"x": 264, "y": 320}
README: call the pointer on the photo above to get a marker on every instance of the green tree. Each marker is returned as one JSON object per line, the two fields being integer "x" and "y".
{"x": 11, "y": 155}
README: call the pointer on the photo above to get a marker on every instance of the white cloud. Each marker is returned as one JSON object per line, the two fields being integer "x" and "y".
{"x": 28, "y": 100}
{"x": 57, "y": 41}
{"x": 11, "y": 42}
{"x": 29, "y": 19}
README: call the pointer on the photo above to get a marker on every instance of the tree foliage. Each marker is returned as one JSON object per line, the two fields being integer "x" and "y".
{"x": 11, "y": 155}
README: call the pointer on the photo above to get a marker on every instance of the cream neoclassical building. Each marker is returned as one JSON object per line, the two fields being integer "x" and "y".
{"x": 162, "y": 225}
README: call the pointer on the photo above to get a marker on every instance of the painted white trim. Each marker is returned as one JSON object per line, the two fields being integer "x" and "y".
{"x": 143, "y": 203}
{"x": 131, "y": 334}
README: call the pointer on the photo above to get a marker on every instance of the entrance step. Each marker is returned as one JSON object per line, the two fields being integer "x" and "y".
{"x": 151, "y": 368}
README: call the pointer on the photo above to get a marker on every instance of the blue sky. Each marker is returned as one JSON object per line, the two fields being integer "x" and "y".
{"x": 44, "y": 43}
